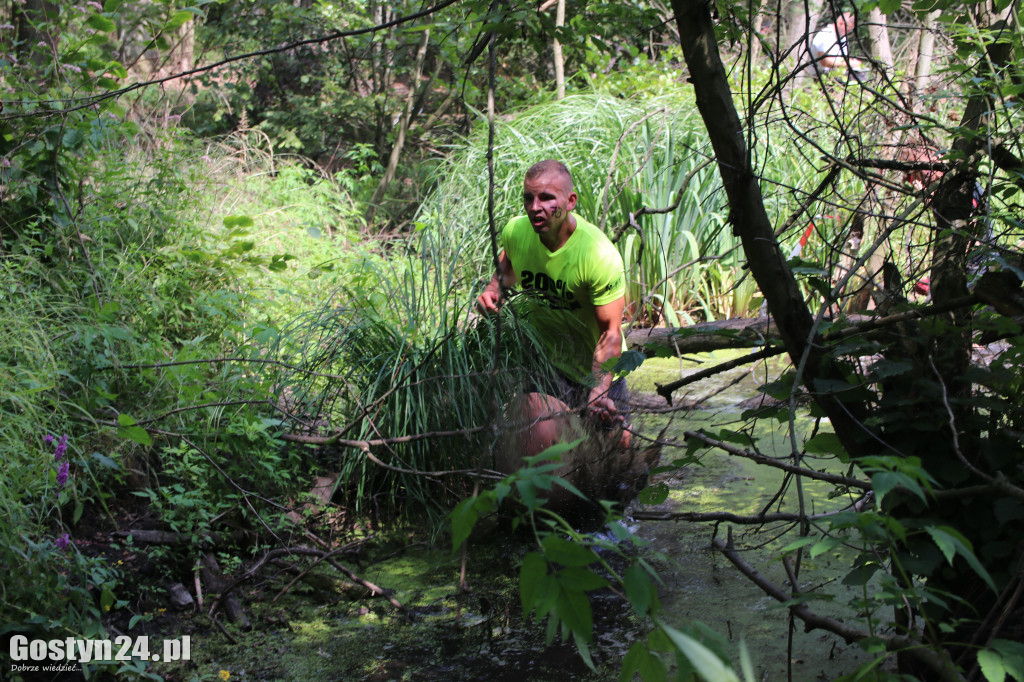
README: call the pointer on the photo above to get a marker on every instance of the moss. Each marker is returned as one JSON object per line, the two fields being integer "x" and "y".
{"x": 473, "y": 636}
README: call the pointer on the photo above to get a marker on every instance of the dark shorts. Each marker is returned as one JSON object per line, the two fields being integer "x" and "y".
{"x": 575, "y": 394}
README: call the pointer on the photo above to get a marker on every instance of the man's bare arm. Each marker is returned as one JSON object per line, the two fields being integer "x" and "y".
{"x": 609, "y": 345}
{"x": 488, "y": 301}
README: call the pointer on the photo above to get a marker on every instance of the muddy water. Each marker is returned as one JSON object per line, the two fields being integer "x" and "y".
{"x": 336, "y": 634}
{"x": 701, "y": 585}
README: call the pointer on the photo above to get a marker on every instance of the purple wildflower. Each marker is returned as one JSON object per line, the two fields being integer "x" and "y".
{"x": 62, "y": 473}
{"x": 48, "y": 439}
{"x": 62, "y": 448}
{"x": 62, "y": 542}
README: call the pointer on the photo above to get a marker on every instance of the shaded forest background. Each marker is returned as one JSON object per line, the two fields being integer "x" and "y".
{"x": 239, "y": 241}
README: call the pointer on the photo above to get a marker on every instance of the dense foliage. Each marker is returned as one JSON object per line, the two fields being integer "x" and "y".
{"x": 221, "y": 284}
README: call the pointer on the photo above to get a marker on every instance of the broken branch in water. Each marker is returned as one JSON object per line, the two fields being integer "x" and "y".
{"x": 937, "y": 661}
{"x": 779, "y": 464}
{"x": 322, "y": 556}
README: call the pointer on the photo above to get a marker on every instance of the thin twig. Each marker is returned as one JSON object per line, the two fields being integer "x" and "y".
{"x": 223, "y": 629}
{"x": 779, "y": 464}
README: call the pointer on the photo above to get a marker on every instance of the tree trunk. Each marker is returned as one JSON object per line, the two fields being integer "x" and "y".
{"x": 878, "y": 39}
{"x": 556, "y": 48}
{"x": 925, "y": 52}
{"x": 403, "y": 129}
{"x": 750, "y": 220}
{"x": 795, "y": 28}
{"x": 184, "y": 51}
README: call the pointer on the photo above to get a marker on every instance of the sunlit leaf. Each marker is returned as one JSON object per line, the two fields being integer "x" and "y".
{"x": 100, "y": 23}
{"x": 703, "y": 660}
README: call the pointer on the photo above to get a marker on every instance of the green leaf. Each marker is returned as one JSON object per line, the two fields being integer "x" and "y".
{"x": 584, "y": 649}
{"x": 574, "y": 611}
{"x": 825, "y": 443}
{"x": 884, "y": 369}
{"x": 528, "y": 493}
{"x": 531, "y": 576}
{"x": 553, "y": 452}
{"x": 951, "y": 542}
{"x": 639, "y": 589}
{"x": 72, "y": 138}
{"x": 136, "y": 434}
{"x": 872, "y": 645}
{"x": 581, "y": 579}
{"x": 737, "y": 437}
{"x": 177, "y": 20}
{"x": 798, "y": 543}
{"x": 561, "y": 482}
{"x": 700, "y": 657}
{"x": 106, "y": 600}
{"x": 562, "y": 551}
{"x": 464, "y": 518}
{"x": 884, "y": 482}
{"x": 1013, "y": 657}
{"x": 945, "y": 542}
{"x": 100, "y": 23}
{"x": 640, "y": 659}
{"x": 279, "y": 263}
{"x": 654, "y": 494}
{"x": 746, "y": 664}
{"x": 991, "y": 664}
{"x": 624, "y": 364}
{"x": 827, "y": 544}
{"x": 547, "y": 597}
{"x": 233, "y": 221}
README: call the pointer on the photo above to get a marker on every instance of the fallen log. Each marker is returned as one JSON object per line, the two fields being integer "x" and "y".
{"x": 704, "y": 337}
{"x": 739, "y": 332}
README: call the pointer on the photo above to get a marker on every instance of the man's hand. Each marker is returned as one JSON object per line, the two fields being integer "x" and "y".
{"x": 488, "y": 301}
{"x": 603, "y": 408}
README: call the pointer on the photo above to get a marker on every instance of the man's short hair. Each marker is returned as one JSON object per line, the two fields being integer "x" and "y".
{"x": 548, "y": 166}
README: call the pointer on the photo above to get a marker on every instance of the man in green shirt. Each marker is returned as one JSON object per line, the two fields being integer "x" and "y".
{"x": 573, "y": 279}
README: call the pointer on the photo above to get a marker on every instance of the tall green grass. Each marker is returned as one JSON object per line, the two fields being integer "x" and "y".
{"x": 397, "y": 352}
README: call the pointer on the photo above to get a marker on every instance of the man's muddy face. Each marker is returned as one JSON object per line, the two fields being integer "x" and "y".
{"x": 548, "y": 198}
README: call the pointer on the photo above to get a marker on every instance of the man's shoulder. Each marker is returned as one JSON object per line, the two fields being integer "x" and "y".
{"x": 516, "y": 232}
{"x": 517, "y": 224}
{"x": 594, "y": 239}
{"x": 592, "y": 232}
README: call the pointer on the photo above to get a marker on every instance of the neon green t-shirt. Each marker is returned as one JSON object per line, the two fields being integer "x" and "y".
{"x": 563, "y": 287}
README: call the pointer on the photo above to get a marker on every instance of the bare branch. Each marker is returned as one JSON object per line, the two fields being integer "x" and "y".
{"x": 779, "y": 464}
{"x": 936, "y": 660}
